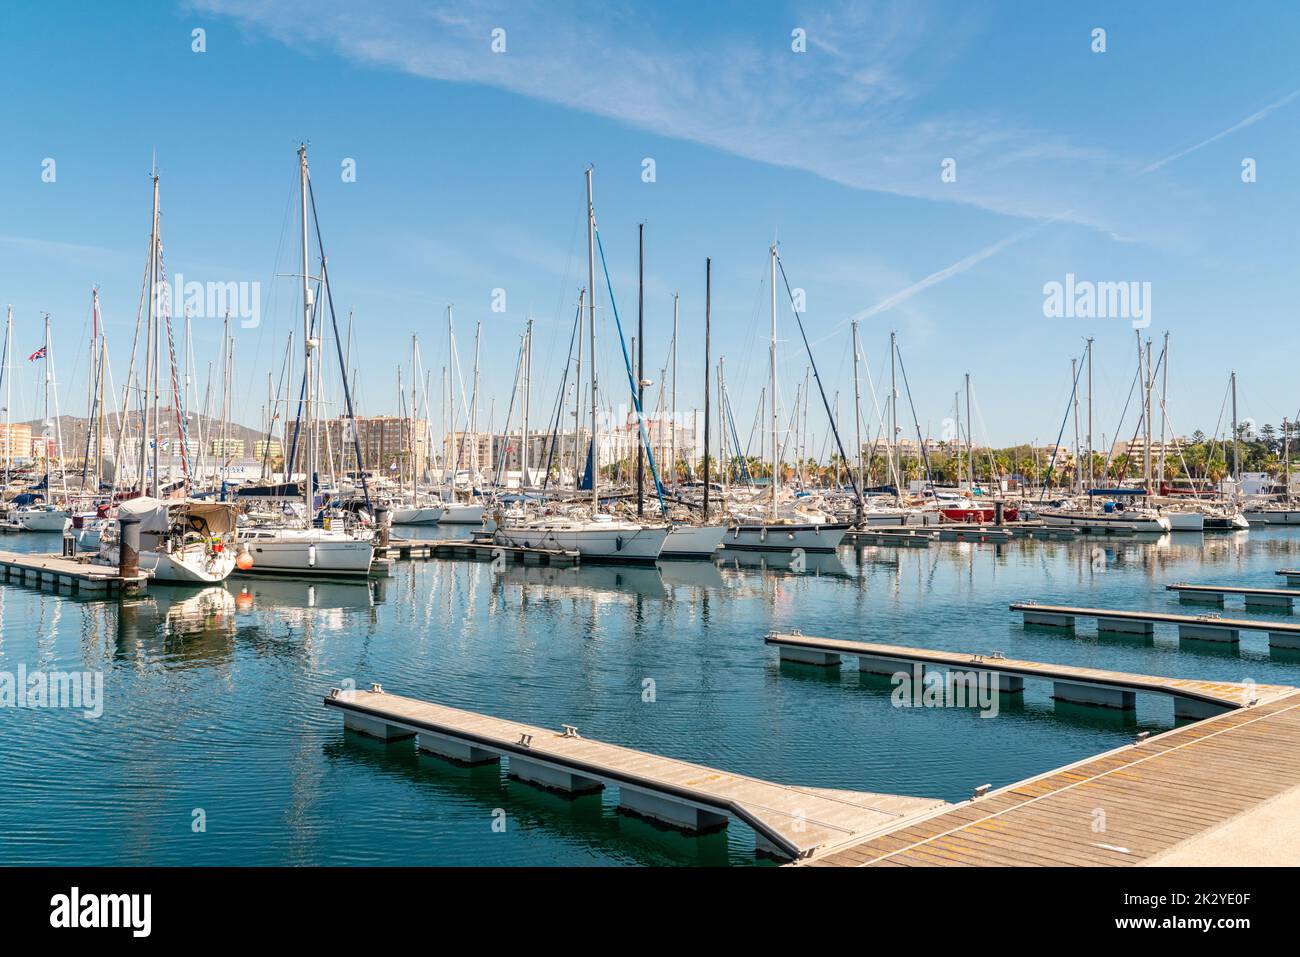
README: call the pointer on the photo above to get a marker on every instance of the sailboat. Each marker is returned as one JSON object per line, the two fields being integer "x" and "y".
{"x": 597, "y": 537}
{"x": 181, "y": 540}
{"x": 284, "y": 549}
{"x": 788, "y": 525}
{"x": 688, "y": 540}
{"x": 44, "y": 516}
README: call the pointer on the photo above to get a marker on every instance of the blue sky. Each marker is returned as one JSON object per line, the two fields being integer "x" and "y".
{"x": 1117, "y": 166}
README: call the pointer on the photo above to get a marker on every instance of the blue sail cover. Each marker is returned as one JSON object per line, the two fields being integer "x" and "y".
{"x": 586, "y": 475}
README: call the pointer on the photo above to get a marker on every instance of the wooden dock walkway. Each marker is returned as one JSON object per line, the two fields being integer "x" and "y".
{"x": 1200, "y": 627}
{"x": 1126, "y": 807}
{"x": 475, "y": 550}
{"x": 1093, "y": 686}
{"x": 788, "y": 821}
{"x": 1292, "y": 575}
{"x": 77, "y": 576}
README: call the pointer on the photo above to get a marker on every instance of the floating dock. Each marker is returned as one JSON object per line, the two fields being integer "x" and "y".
{"x": 897, "y": 537}
{"x": 77, "y": 576}
{"x": 1091, "y": 686}
{"x": 1269, "y": 599}
{"x": 1166, "y": 797}
{"x": 1200, "y": 627}
{"x": 789, "y": 822}
{"x": 479, "y": 551}
{"x": 1292, "y": 575}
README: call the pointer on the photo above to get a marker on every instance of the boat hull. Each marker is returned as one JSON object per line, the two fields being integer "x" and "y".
{"x": 308, "y": 555}
{"x": 693, "y": 541}
{"x": 1139, "y": 523}
{"x": 42, "y": 521}
{"x": 1281, "y": 516}
{"x": 462, "y": 515}
{"x": 638, "y": 545}
{"x": 815, "y": 537}
{"x": 424, "y": 515}
{"x": 1185, "y": 521}
{"x": 978, "y": 513}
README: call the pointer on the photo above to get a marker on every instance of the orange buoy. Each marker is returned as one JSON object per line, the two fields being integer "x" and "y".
{"x": 245, "y": 561}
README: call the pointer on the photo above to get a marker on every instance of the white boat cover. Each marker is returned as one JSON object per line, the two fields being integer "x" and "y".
{"x": 158, "y": 515}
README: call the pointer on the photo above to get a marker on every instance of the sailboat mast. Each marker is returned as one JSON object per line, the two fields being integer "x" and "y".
{"x": 892, "y": 447}
{"x": 411, "y": 438}
{"x": 452, "y": 377}
{"x": 672, "y": 417}
{"x": 309, "y": 483}
{"x": 577, "y": 396}
{"x": 1164, "y": 396}
{"x": 1078, "y": 474}
{"x": 160, "y": 282}
{"x": 776, "y": 478}
{"x": 9, "y": 392}
{"x": 528, "y": 394}
{"x": 640, "y": 365}
{"x": 591, "y": 286}
{"x": 1236, "y": 458}
{"x": 970, "y": 438}
{"x": 1091, "y": 477}
{"x": 708, "y": 306}
{"x": 148, "y": 338}
{"x": 857, "y": 421}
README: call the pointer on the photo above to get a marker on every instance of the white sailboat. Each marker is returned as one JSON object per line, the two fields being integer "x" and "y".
{"x": 309, "y": 550}
{"x": 181, "y": 541}
{"x": 600, "y": 538}
{"x": 785, "y": 526}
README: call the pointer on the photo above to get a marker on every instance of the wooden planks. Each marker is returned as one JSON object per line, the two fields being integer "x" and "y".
{"x": 799, "y": 821}
{"x": 1118, "y": 809}
{"x": 1228, "y": 693}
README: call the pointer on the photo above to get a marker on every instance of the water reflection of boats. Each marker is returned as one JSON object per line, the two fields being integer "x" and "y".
{"x": 179, "y": 627}
{"x": 808, "y": 563}
{"x": 272, "y": 593}
{"x": 625, "y": 579}
{"x": 692, "y": 574}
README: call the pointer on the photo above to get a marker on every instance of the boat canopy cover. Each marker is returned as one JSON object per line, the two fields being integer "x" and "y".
{"x": 1117, "y": 491}
{"x": 158, "y": 515}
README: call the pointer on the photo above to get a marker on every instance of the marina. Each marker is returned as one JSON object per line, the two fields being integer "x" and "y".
{"x": 569, "y": 645}
{"x": 649, "y": 437}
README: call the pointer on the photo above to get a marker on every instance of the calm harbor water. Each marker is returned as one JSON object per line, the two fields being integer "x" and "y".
{"x": 213, "y": 697}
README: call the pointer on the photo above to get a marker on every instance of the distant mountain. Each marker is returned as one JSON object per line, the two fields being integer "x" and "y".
{"x": 74, "y": 430}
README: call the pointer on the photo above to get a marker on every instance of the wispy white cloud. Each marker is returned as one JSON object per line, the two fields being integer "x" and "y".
{"x": 861, "y": 108}
{"x": 1240, "y": 125}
